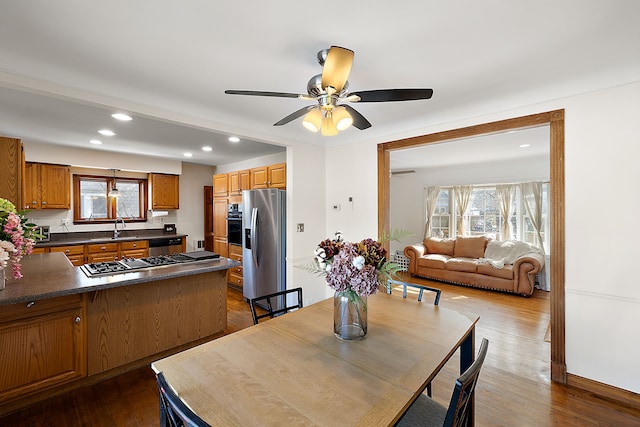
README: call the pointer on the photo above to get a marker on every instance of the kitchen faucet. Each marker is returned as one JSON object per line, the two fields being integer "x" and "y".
{"x": 116, "y": 233}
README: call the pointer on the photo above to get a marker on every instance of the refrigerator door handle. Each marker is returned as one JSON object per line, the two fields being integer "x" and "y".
{"x": 254, "y": 233}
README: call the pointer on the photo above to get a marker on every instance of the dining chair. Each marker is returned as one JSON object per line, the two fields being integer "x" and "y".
{"x": 392, "y": 283}
{"x": 425, "y": 411}
{"x": 173, "y": 411}
{"x": 265, "y": 302}
{"x": 421, "y": 288}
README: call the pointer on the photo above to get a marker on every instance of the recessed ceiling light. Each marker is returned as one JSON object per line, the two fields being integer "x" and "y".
{"x": 234, "y": 139}
{"x": 188, "y": 154}
{"x": 95, "y": 141}
{"x": 121, "y": 116}
{"x": 525, "y": 145}
{"x": 206, "y": 148}
{"x": 106, "y": 132}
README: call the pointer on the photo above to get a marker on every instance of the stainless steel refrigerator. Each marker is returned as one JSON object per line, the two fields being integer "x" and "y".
{"x": 263, "y": 242}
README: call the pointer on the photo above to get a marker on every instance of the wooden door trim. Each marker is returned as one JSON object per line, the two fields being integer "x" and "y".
{"x": 555, "y": 120}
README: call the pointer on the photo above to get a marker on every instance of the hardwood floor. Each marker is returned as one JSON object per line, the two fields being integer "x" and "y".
{"x": 514, "y": 387}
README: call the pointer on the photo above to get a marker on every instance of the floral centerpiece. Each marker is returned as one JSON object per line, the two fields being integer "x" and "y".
{"x": 355, "y": 271}
{"x": 17, "y": 238}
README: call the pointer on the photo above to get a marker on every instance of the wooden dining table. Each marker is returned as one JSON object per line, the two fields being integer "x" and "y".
{"x": 292, "y": 370}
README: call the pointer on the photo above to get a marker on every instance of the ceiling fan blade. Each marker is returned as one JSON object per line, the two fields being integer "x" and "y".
{"x": 337, "y": 67}
{"x": 358, "y": 119}
{"x": 262, "y": 93}
{"x": 301, "y": 112}
{"x": 386, "y": 95}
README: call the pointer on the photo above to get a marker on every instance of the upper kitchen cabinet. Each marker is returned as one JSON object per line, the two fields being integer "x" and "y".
{"x": 47, "y": 186}
{"x": 239, "y": 181}
{"x": 165, "y": 191}
{"x": 272, "y": 176}
{"x": 220, "y": 185}
{"x": 11, "y": 172}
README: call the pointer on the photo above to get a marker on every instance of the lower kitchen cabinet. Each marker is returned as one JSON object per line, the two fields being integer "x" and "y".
{"x": 43, "y": 345}
{"x": 234, "y": 275}
{"x": 133, "y": 322}
{"x": 137, "y": 249}
{"x": 103, "y": 252}
{"x": 74, "y": 253}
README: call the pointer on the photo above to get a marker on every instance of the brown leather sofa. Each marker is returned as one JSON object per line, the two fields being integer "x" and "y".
{"x": 462, "y": 261}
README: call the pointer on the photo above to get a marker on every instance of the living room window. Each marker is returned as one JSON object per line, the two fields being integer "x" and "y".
{"x": 483, "y": 215}
{"x": 92, "y": 204}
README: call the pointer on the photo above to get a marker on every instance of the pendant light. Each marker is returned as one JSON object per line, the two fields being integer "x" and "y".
{"x": 114, "y": 191}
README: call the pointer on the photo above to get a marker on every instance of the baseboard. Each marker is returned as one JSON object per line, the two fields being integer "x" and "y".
{"x": 608, "y": 391}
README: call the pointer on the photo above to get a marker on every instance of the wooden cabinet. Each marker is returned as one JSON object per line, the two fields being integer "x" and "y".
{"x": 74, "y": 253}
{"x": 135, "y": 249}
{"x": 220, "y": 225}
{"x": 234, "y": 275}
{"x": 43, "y": 345}
{"x": 165, "y": 191}
{"x": 244, "y": 180}
{"x": 47, "y": 186}
{"x": 102, "y": 252}
{"x": 133, "y": 322}
{"x": 11, "y": 172}
{"x": 272, "y": 176}
{"x": 220, "y": 185}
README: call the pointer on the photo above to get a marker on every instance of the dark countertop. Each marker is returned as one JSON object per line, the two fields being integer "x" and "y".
{"x": 84, "y": 238}
{"x": 53, "y": 275}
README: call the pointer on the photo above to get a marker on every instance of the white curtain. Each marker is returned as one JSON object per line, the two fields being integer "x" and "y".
{"x": 463, "y": 196}
{"x": 506, "y": 195}
{"x": 432, "y": 200}
{"x": 532, "y": 196}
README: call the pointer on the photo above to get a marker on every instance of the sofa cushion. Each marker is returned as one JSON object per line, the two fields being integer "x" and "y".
{"x": 433, "y": 261}
{"x": 462, "y": 264}
{"x": 503, "y": 273}
{"x": 435, "y": 245}
{"x": 470, "y": 247}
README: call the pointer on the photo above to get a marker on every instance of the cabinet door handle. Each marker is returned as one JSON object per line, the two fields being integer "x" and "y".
{"x": 77, "y": 319}
{"x": 104, "y": 248}
{"x": 67, "y": 251}
{"x": 44, "y": 203}
{"x": 31, "y": 304}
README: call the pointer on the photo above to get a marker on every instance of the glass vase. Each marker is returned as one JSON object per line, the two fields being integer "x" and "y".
{"x": 349, "y": 315}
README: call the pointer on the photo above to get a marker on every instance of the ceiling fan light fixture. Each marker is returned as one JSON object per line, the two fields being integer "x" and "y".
{"x": 341, "y": 118}
{"x": 313, "y": 120}
{"x": 328, "y": 126}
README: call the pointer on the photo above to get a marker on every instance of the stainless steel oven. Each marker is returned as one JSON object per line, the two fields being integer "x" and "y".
{"x": 234, "y": 224}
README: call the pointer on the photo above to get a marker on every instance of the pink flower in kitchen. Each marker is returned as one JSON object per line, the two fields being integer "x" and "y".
{"x": 17, "y": 237}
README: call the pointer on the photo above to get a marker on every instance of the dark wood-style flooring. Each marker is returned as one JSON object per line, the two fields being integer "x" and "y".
{"x": 514, "y": 387}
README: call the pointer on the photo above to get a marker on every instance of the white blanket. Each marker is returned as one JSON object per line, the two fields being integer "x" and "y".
{"x": 500, "y": 253}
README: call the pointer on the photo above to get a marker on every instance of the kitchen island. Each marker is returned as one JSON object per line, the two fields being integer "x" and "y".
{"x": 60, "y": 329}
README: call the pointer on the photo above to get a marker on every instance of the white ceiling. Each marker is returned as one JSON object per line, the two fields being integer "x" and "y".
{"x": 66, "y": 65}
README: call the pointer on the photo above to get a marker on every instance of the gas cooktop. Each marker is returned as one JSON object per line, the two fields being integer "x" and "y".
{"x": 126, "y": 265}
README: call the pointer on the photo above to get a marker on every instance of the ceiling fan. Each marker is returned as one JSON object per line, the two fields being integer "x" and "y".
{"x": 330, "y": 89}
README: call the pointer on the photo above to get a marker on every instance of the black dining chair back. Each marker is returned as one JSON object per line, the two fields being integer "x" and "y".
{"x": 268, "y": 302}
{"x": 421, "y": 288}
{"x": 173, "y": 411}
{"x": 427, "y": 412}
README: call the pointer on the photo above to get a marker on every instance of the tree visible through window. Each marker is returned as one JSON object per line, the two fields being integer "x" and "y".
{"x": 92, "y": 204}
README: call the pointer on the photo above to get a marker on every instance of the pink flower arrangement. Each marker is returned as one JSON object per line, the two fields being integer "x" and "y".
{"x": 357, "y": 267}
{"x": 16, "y": 237}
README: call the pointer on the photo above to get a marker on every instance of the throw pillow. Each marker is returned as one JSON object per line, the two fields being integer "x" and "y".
{"x": 470, "y": 247}
{"x": 435, "y": 245}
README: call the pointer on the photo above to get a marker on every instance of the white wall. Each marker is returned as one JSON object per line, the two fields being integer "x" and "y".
{"x": 190, "y": 216}
{"x": 602, "y": 293}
